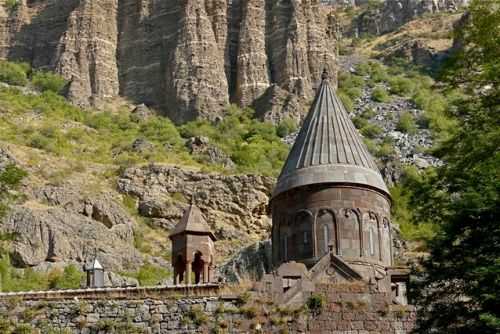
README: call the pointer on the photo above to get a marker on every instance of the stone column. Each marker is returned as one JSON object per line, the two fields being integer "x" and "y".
{"x": 206, "y": 277}
{"x": 188, "y": 272}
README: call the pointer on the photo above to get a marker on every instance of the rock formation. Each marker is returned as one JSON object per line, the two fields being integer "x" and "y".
{"x": 60, "y": 224}
{"x": 392, "y": 14}
{"x": 188, "y": 58}
{"x": 234, "y": 206}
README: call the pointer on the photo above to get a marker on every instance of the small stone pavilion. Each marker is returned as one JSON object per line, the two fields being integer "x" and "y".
{"x": 193, "y": 249}
{"x": 331, "y": 208}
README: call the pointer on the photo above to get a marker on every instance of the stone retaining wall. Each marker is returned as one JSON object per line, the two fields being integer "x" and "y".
{"x": 347, "y": 309}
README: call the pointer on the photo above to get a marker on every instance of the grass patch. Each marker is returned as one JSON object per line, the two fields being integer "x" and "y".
{"x": 149, "y": 274}
{"x": 379, "y": 94}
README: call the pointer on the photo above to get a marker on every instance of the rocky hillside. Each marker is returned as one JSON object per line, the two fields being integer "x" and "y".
{"x": 188, "y": 58}
{"x": 385, "y": 16}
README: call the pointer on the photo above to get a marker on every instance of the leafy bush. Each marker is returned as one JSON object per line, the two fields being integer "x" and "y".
{"x": 12, "y": 176}
{"x": 287, "y": 126}
{"x": 47, "y": 81}
{"x": 379, "y": 94}
{"x": 385, "y": 150}
{"x": 406, "y": 123}
{"x": 13, "y": 73}
{"x": 360, "y": 122}
{"x": 315, "y": 304}
{"x": 371, "y": 130}
{"x": 402, "y": 86}
{"x": 346, "y": 100}
{"x": 197, "y": 316}
{"x": 12, "y": 4}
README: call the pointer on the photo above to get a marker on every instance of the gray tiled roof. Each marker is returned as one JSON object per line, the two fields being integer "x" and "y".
{"x": 329, "y": 149}
{"x": 192, "y": 222}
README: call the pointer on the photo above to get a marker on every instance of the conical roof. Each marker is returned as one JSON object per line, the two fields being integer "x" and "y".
{"x": 192, "y": 222}
{"x": 329, "y": 149}
{"x": 94, "y": 265}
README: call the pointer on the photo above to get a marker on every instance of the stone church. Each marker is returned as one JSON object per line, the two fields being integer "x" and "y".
{"x": 331, "y": 208}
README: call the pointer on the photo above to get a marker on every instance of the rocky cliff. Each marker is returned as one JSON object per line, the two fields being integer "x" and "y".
{"x": 391, "y": 14}
{"x": 189, "y": 58}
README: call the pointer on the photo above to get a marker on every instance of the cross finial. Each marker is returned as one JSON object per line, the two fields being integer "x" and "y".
{"x": 325, "y": 75}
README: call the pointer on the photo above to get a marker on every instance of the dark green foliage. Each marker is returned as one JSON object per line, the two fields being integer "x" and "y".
{"x": 287, "y": 126}
{"x": 47, "y": 81}
{"x": 406, "y": 123}
{"x": 12, "y": 4}
{"x": 460, "y": 281}
{"x": 11, "y": 177}
{"x": 315, "y": 304}
{"x": 13, "y": 73}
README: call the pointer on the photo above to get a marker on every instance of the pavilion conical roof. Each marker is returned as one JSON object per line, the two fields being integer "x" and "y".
{"x": 329, "y": 149}
{"x": 192, "y": 222}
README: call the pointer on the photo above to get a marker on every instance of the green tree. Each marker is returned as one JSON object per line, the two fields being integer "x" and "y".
{"x": 459, "y": 289}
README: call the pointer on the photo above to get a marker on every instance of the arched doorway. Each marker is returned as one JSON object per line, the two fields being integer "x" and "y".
{"x": 179, "y": 269}
{"x": 198, "y": 267}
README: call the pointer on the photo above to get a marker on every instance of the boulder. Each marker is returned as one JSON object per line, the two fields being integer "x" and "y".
{"x": 43, "y": 234}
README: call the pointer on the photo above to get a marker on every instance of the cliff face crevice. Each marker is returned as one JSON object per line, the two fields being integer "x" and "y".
{"x": 188, "y": 58}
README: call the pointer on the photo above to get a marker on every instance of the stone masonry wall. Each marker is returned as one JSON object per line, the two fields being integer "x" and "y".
{"x": 348, "y": 309}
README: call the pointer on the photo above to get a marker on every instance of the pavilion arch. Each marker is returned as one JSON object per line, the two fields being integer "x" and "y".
{"x": 326, "y": 231}
{"x": 198, "y": 266}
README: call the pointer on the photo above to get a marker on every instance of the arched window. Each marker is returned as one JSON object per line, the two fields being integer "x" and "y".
{"x": 326, "y": 231}
{"x": 326, "y": 237}
{"x": 303, "y": 234}
{"x": 284, "y": 247}
{"x": 371, "y": 241}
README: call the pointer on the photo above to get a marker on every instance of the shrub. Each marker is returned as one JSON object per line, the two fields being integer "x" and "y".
{"x": 287, "y": 126}
{"x": 243, "y": 298}
{"x": 353, "y": 92}
{"x": 371, "y": 131}
{"x": 47, "y": 81}
{"x": 13, "y": 73}
{"x": 70, "y": 278}
{"x": 197, "y": 316}
{"x": 368, "y": 113}
{"x": 315, "y": 304}
{"x": 346, "y": 100}
{"x": 249, "y": 312}
{"x": 402, "y": 86}
{"x": 406, "y": 123}
{"x": 379, "y": 94}
{"x": 360, "y": 122}
{"x": 12, "y": 4}
{"x": 12, "y": 176}
{"x": 385, "y": 150}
